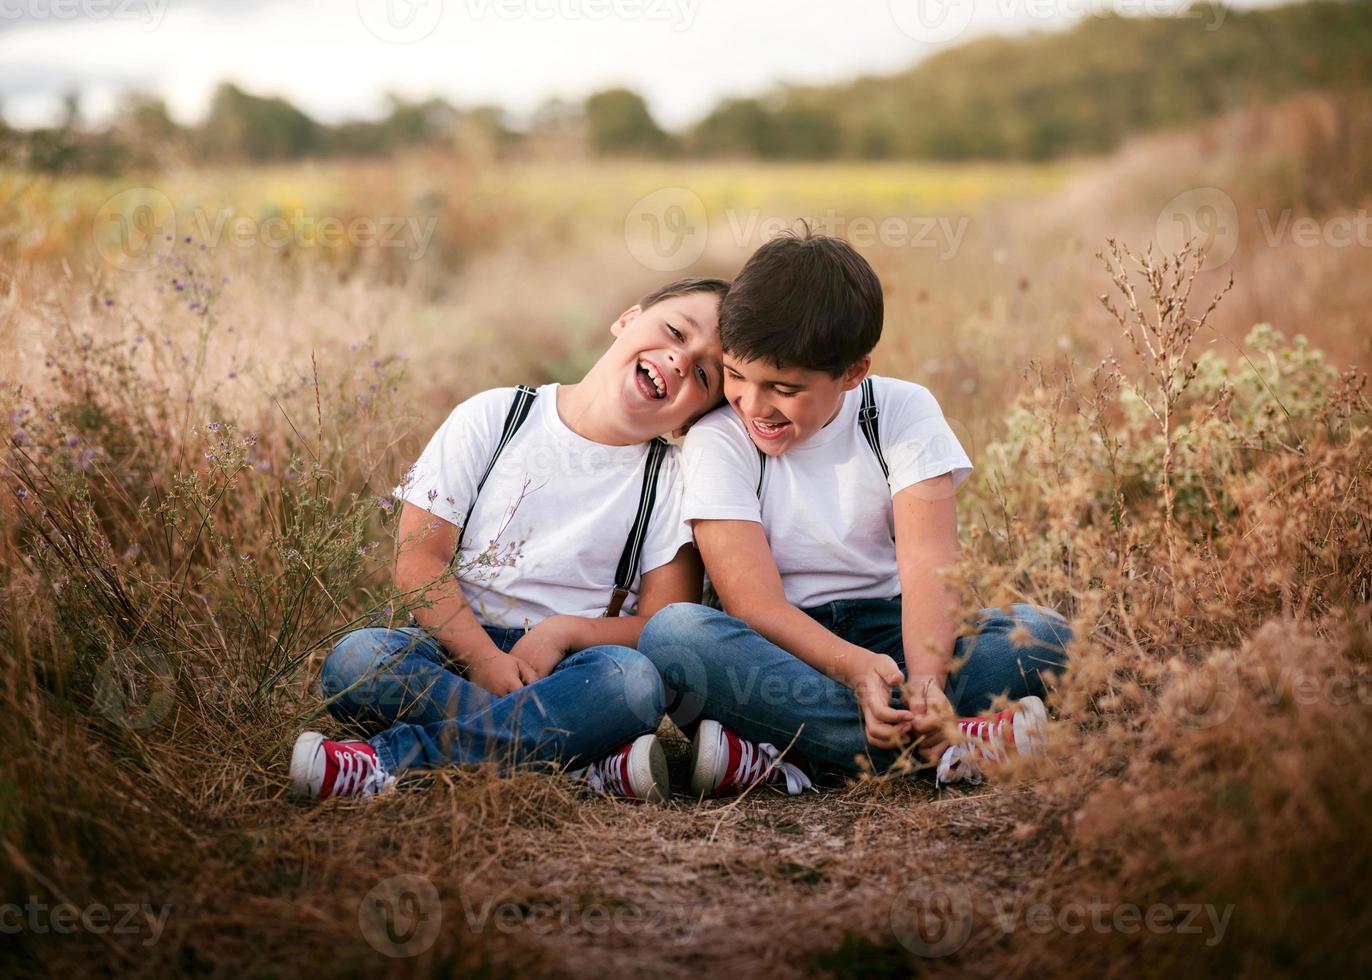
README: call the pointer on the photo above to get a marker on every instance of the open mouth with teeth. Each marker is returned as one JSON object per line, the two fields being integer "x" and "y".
{"x": 770, "y": 428}
{"x": 649, "y": 381}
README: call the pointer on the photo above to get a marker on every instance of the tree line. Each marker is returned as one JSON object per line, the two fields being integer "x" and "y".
{"x": 1037, "y": 97}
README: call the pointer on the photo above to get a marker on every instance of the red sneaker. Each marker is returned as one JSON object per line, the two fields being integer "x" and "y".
{"x": 723, "y": 762}
{"x": 1018, "y": 730}
{"x": 320, "y": 768}
{"x": 636, "y": 771}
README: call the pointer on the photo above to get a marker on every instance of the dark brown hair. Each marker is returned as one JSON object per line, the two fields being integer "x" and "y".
{"x": 803, "y": 300}
{"x": 684, "y": 287}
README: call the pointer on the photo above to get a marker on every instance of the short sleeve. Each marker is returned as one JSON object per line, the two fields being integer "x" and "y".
{"x": 443, "y": 480}
{"x": 667, "y": 532}
{"x": 721, "y": 470}
{"x": 916, "y": 439}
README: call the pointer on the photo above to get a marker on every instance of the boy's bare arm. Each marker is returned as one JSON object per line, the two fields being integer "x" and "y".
{"x": 423, "y": 568}
{"x": 926, "y": 544}
{"x": 680, "y": 580}
{"x": 746, "y": 577}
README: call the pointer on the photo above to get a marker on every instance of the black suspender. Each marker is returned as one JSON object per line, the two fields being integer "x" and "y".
{"x": 867, "y": 419}
{"x": 519, "y": 411}
{"x": 633, "y": 547}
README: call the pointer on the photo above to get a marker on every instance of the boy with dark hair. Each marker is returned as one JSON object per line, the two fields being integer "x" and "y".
{"x": 822, "y": 502}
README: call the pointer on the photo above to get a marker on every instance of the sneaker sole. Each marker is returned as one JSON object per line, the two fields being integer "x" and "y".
{"x": 705, "y": 758}
{"x": 1031, "y": 726}
{"x": 648, "y": 770}
{"x": 302, "y": 764}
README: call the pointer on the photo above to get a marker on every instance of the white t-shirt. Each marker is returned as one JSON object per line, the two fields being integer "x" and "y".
{"x": 558, "y": 506}
{"x": 825, "y": 507}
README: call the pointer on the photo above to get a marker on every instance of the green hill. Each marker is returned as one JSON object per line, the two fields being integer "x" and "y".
{"x": 1077, "y": 91}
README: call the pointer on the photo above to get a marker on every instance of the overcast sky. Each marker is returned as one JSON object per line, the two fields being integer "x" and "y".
{"x": 338, "y": 58}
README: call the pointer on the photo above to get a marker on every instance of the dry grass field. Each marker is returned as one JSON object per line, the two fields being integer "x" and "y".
{"x": 201, "y": 412}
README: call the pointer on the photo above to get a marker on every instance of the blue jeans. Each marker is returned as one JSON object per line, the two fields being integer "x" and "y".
{"x": 403, "y": 680}
{"x": 715, "y": 666}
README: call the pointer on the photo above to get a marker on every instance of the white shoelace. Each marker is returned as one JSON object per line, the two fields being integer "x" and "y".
{"x": 359, "y": 775}
{"x": 605, "y": 776}
{"x": 762, "y": 761}
{"x": 959, "y": 763}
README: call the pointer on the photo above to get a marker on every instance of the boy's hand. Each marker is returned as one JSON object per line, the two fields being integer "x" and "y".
{"x": 500, "y": 674}
{"x": 932, "y": 710}
{"x": 886, "y": 727}
{"x": 543, "y": 647}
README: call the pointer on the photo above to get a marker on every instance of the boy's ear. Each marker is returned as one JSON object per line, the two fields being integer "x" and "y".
{"x": 625, "y": 318}
{"x": 852, "y": 377}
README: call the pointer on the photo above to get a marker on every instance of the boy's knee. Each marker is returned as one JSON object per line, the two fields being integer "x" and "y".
{"x": 676, "y": 625}
{"x": 353, "y": 657}
{"x": 1050, "y": 630}
{"x": 639, "y": 681}
{"x": 1039, "y": 636}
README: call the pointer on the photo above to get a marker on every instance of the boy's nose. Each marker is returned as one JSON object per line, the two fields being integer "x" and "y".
{"x": 753, "y": 406}
{"x": 675, "y": 362}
